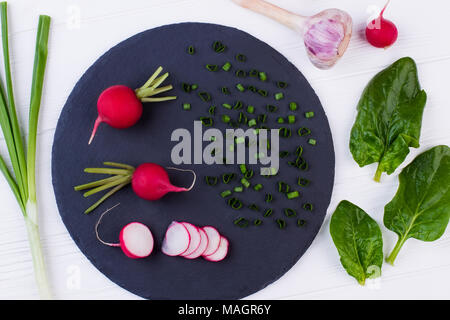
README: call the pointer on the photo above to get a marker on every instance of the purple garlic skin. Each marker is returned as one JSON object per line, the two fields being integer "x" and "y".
{"x": 326, "y": 37}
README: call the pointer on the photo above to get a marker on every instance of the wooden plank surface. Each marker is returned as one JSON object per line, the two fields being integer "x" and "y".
{"x": 82, "y": 30}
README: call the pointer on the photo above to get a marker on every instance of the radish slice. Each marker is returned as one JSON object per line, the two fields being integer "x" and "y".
{"x": 176, "y": 240}
{"x": 195, "y": 238}
{"x": 136, "y": 240}
{"x": 220, "y": 253}
{"x": 202, "y": 247}
{"x": 214, "y": 240}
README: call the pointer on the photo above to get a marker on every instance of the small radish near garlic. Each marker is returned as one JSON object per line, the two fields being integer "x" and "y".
{"x": 380, "y": 32}
{"x": 150, "y": 181}
{"x": 121, "y": 107}
{"x": 135, "y": 239}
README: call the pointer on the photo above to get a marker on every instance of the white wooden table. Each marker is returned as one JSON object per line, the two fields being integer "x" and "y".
{"x": 82, "y": 30}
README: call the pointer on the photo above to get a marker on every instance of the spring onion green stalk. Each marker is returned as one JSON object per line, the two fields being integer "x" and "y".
{"x": 22, "y": 179}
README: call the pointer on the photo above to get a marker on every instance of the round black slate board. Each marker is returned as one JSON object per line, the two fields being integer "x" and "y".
{"x": 258, "y": 255}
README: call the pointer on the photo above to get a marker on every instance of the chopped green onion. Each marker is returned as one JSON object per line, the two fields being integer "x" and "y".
{"x": 218, "y": 46}
{"x": 240, "y": 87}
{"x": 241, "y": 222}
{"x": 252, "y": 88}
{"x": 253, "y": 73}
{"x": 194, "y": 86}
{"x": 303, "y": 182}
{"x": 293, "y": 195}
{"x": 236, "y": 204}
{"x": 284, "y": 154}
{"x": 285, "y": 132}
{"x": 257, "y": 222}
{"x": 262, "y": 76}
{"x": 212, "y": 110}
{"x": 186, "y": 106}
{"x": 293, "y": 106}
{"x": 212, "y": 67}
{"x": 248, "y": 174}
{"x": 227, "y": 106}
{"x": 245, "y": 182}
{"x": 191, "y": 50}
{"x": 205, "y": 96}
{"x": 262, "y": 118}
{"x": 262, "y": 92}
{"x": 225, "y": 90}
{"x": 225, "y": 118}
{"x": 271, "y": 108}
{"x": 281, "y": 223}
{"x": 282, "y": 84}
{"x": 211, "y": 181}
{"x": 290, "y": 212}
{"x": 243, "y": 168}
{"x": 240, "y": 73}
{"x": 252, "y": 123}
{"x": 227, "y": 177}
{"x": 301, "y": 222}
{"x": 268, "y": 198}
{"x": 299, "y": 151}
{"x": 283, "y": 187}
{"x": 279, "y": 96}
{"x": 238, "y": 189}
{"x": 268, "y": 212}
{"x": 258, "y": 187}
{"x": 280, "y": 120}
{"x": 309, "y": 114}
{"x": 291, "y": 118}
{"x": 308, "y": 206}
{"x": 225, "y": 193}
{"x": 238, "y": 105}
{"x": 186, "y": 87}
{"x": 207, "y": 121}
{"x": 250, "y": 109}
{"x": 312, "y": 142}
{"x": 303, "y": 131}
{"x": 253, "y": 207}
{"x": 240, "y": 57}
{"x": 226, "y": 66}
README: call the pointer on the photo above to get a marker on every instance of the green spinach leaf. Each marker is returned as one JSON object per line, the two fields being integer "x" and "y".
{"x": 358, "y": 240}
{"x": 389, "y": 118}
{"x": 421, "y": 207}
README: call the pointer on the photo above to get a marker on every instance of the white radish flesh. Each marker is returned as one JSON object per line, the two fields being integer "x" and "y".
{"x": 202, "y": 247}
{"x": 136, "y": 240}
{"x": 195, "y": 238}
{"x": 176, "y": 240}
{"x": 214, "y": 240}
{"x": 221, "y": 252}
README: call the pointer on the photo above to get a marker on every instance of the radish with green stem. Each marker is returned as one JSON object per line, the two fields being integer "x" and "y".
{"x": 135, "y": 239}
{"x": 121, "y": 107}
{"x": 149, "y": 181}
{"x": 380, "y": 32}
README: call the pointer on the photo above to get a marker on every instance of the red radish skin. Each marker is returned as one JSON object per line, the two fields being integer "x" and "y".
{"x": 151, "y": 182}
{"x": 119, "y": 107}
{"x": 136, "y": 240}
{"x": 176, "y": 240}
{"x": 221, "y": 252}
{"x": 214, "y": 240}
{"x": 380, "y": 32}
{"x": 195, "y": 238}
{"x": 201, "y": 248}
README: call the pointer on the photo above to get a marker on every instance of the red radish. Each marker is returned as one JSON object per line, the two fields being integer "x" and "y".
{"x": 176, "y": 240}
{"x": 121, "y": 107}
{"x": 214, "y": 240}
{"x": 220, "y": 253}
{"x": 195, "y": 238}
{"x": 135, "y": 239}
{"x": 380, "y": 32}
{"x": 201, "y": 248}
{"x": 150, "y": 181}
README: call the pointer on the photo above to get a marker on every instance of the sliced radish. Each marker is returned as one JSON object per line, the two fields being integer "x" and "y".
{"x": 195, "y": 238}
{"x": 214, "y": 240}
{"x": 176, "y": 240}
{"x": 202, "y": 247}
{"x": 221, "y": 252}
{"x": 136, "y": 240}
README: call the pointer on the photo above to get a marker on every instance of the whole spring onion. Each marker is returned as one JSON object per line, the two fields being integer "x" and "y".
{"x": 22, "y": 178}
